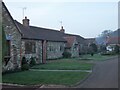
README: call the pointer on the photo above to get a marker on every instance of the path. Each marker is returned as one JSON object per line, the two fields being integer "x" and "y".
{"x": 62, "y": 70}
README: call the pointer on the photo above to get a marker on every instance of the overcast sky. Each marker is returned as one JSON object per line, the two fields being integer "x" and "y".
{"x": 87, "y": 19}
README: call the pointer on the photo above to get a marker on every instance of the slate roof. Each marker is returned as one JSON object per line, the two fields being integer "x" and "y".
{"x": 90, "y": 40}
{"x": 38, "y": 33}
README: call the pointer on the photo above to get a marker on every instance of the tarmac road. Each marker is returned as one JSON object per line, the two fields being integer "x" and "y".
{"x": 104, "y": 75}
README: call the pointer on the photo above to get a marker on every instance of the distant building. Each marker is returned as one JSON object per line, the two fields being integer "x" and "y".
{"x": 113, "y": 40}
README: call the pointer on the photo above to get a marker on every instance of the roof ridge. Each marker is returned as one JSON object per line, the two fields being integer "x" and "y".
{"x": 40, "y": 27}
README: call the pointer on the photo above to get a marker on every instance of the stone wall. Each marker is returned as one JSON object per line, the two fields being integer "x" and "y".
{"x": 55, "y": 49}
{"x": 13, "y": 34}
{"x": 38, "y": 52}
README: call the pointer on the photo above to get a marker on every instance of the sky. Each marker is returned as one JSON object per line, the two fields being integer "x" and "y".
{"x": 87, "y": 19}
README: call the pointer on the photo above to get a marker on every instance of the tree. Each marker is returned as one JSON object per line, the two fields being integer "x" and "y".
{"x": 102, "y": 48}
{"x": 106, "y": 32}
{"x": 103, "y": 37}
{"x": 117, "y": 49}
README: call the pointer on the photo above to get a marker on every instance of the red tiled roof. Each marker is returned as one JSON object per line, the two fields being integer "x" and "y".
{"x": 70, "y": 40}
{"x": 114, "y": 40}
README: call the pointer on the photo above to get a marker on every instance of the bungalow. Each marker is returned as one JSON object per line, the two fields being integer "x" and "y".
{"x": 88, "y": 42}
{"x": 75, "y": 44}
{"x": 40, "y": 43}
{"x": 13, "y": 41}
{"x": 29, "y": 41}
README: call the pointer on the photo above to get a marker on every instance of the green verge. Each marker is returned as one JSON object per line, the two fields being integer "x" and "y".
{"x": 39, "y": 77}
{"x": 97, "y": 57}
{"x": 81, "y": 63}
{"x": 64, "y": 65}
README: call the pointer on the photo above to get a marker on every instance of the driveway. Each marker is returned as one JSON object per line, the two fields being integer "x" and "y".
{"x": 104, "y": 75}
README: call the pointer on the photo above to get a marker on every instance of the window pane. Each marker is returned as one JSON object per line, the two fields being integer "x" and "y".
{"x": 30, "y": 47}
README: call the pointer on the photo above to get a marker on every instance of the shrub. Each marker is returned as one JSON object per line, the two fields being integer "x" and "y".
{"x": 32, "y": 62}
{"x": 24, "y": 61}
{"x": 25, "y": 67}
{"x": 117, "y": 49}
{"x": 66, "y": 54}
{"x": 24, "y": 64}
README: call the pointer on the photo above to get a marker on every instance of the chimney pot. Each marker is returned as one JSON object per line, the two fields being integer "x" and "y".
{"x": 26, "y": 22}
{"x": 62, "y": 30}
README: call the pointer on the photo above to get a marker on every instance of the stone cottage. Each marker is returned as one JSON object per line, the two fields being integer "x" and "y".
{"x": 13, "y": 40}
{"x": 29, "y": 41}
{"x": 74, "y": 45}
{"x": 40, "y": 43}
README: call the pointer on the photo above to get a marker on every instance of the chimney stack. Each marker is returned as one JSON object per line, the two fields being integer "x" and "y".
{"x": 62, "y": 30}
{"x": 26, "y": 22}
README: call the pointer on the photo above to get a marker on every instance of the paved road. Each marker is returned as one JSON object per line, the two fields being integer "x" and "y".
{"x": 105, "y": 75}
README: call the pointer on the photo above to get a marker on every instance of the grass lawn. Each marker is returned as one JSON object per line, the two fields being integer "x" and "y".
{"x": 64, "y": 64}
{"x": 38, "y": 78}
{"x": 81, "y": 63}
{"x": 61, "y": 78}
{"x": 96, "y": 57}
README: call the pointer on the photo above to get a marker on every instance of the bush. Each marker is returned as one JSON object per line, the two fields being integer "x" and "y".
{"x": 24, "y": 64}
{"x": 24, "y": 61}
{"x": 32, "y": 62}
{"x": 117, "y": 49}
{"x": 25, "y": 67}
{"x": 66, "y": 54}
